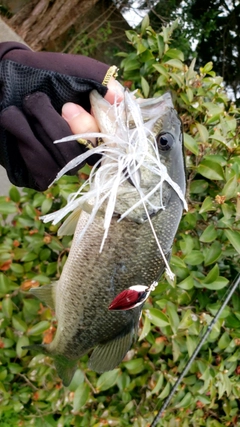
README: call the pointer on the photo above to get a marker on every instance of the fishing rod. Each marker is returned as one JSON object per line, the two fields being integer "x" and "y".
{"x": 228, "y": 295}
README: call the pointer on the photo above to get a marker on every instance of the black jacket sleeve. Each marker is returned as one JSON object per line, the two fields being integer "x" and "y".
{"x": 34, "y": 87}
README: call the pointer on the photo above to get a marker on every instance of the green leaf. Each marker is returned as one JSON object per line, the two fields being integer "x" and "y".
{"x": 203, "y": 132}
{"x": 191, "y": 344}
{"x": 198, "y": 186}
{"x": 39, "y": 328}
{"x": 175, "y": 63}
{"x": 7, "y": 207}
{"x": 219, "y": 283}
{"x": 211, "y": 170}
{"x": 224, "y": 341}
{"x": 177, "y": 79}
{"x": 17, "y": 268}
{"x": 175, "y": 53}
{"x": 156, "y": 317}
{"x": 145, "y": 86}
{"x": 185, "y": 402}
{"x": 107, "y": 380}
{"x": 78, "y": 378}
{"x": 140, "y": 48}
{"x": 161, "y": 44}
{"x": 230, "y": 189}
{"x": 7, "y": 343}
{"x": 209, "y": 234}
{"x": 176, "y": 352}
{"x": 213, "y": 253}
{"x": 46, "y": 206}
{"x": 15, "y": 368}
{"x": 161, "y": 69}
{"x": 131, "y": 35}
{"x": 19, "y": 324}
{"x": 212, "y": 275}
{"x": 7, "y": 307}
{"x": 162, "y": 81}
{"x": 51, "y": 268}
{"x": 191, "y": 144}
{"x": 6, "y": 285}
{"x": 145, "y": 23}
{"x": 30, "y": 211}
{"x": 189, "y": 94}
{"x": 173, "y": 316}
{"x": 41, "y": 278}
{"x": 31, "y": 256}
{"x": 177, "y": 262}
{"x": 14, "y": 194}
{"x": 45, "y": 254}
{"x": 208, "y": 67}
{"x": 188, "y": 319}
{"x": 131, "y": 65}
{"x": 187, "y": 283}
{"x": 227, "y": 211}
{"x": 135, "y": 366}
{"x": 159, "y": 384}
{"x": 165, "y": 391}
{"x": 184, "y": 97}
{"x": 22, "y": 341}
{"x": 207, "y": 205}
{"x": 81, "y": 396}
{"x": 213, "y": 309}
{"x": 234, "y": 238}
{"x": 146, "y": 328}
{"x": 194, "y": 258}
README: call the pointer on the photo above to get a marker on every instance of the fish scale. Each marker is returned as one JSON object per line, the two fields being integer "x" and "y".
{"x": 91, "y": 280}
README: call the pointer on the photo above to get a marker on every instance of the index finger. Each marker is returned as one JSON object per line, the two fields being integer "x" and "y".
{"x": 115, "y": 91}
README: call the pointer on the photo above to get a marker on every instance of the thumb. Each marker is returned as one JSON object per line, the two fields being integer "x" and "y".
{"x": 79, "y": 120}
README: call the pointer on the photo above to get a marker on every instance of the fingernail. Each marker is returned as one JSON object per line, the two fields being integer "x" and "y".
{"x": 71, "y": 110}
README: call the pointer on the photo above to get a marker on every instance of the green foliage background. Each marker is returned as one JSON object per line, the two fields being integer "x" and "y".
{"x": 205, "y": 260}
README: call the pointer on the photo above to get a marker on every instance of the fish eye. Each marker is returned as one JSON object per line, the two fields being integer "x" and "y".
{"x": 165, "y": 141}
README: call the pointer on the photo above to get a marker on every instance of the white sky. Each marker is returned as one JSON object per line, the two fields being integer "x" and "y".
{"x": 134, "y": 16}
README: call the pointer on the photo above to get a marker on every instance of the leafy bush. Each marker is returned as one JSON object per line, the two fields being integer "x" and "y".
{"x": 205, "y": 260}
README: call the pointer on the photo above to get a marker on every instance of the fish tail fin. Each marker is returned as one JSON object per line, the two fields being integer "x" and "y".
{"x": 107, "y": 356}
{"x": 65, "y": 368}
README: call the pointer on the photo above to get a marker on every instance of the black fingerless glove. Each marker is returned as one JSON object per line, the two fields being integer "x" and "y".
{"x": 34, "y": 87}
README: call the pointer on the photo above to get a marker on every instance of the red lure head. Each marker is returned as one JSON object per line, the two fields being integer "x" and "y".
{"x": 129, "y": 298}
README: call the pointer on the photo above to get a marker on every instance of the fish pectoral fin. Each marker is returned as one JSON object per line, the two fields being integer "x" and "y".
{"x": 106, "y": 357}
{"x": 46, "y": 293}
{"x": 65, "y": 368}
{"x": 69, "y": 225}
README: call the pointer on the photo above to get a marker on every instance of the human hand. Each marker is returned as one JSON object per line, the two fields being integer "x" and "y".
{"x": 34, "y": 87}
{"x": 81, "y": 121}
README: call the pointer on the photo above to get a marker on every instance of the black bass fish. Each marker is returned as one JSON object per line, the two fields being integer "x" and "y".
{"x": 126, "y": 224}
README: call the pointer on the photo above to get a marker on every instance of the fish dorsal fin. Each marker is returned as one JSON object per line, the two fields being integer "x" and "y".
{"x": 65, "y": 368}
{"x": 106, "y": 357}
{"x": 46, "y": 293}
{"x": 69, "y": 225}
